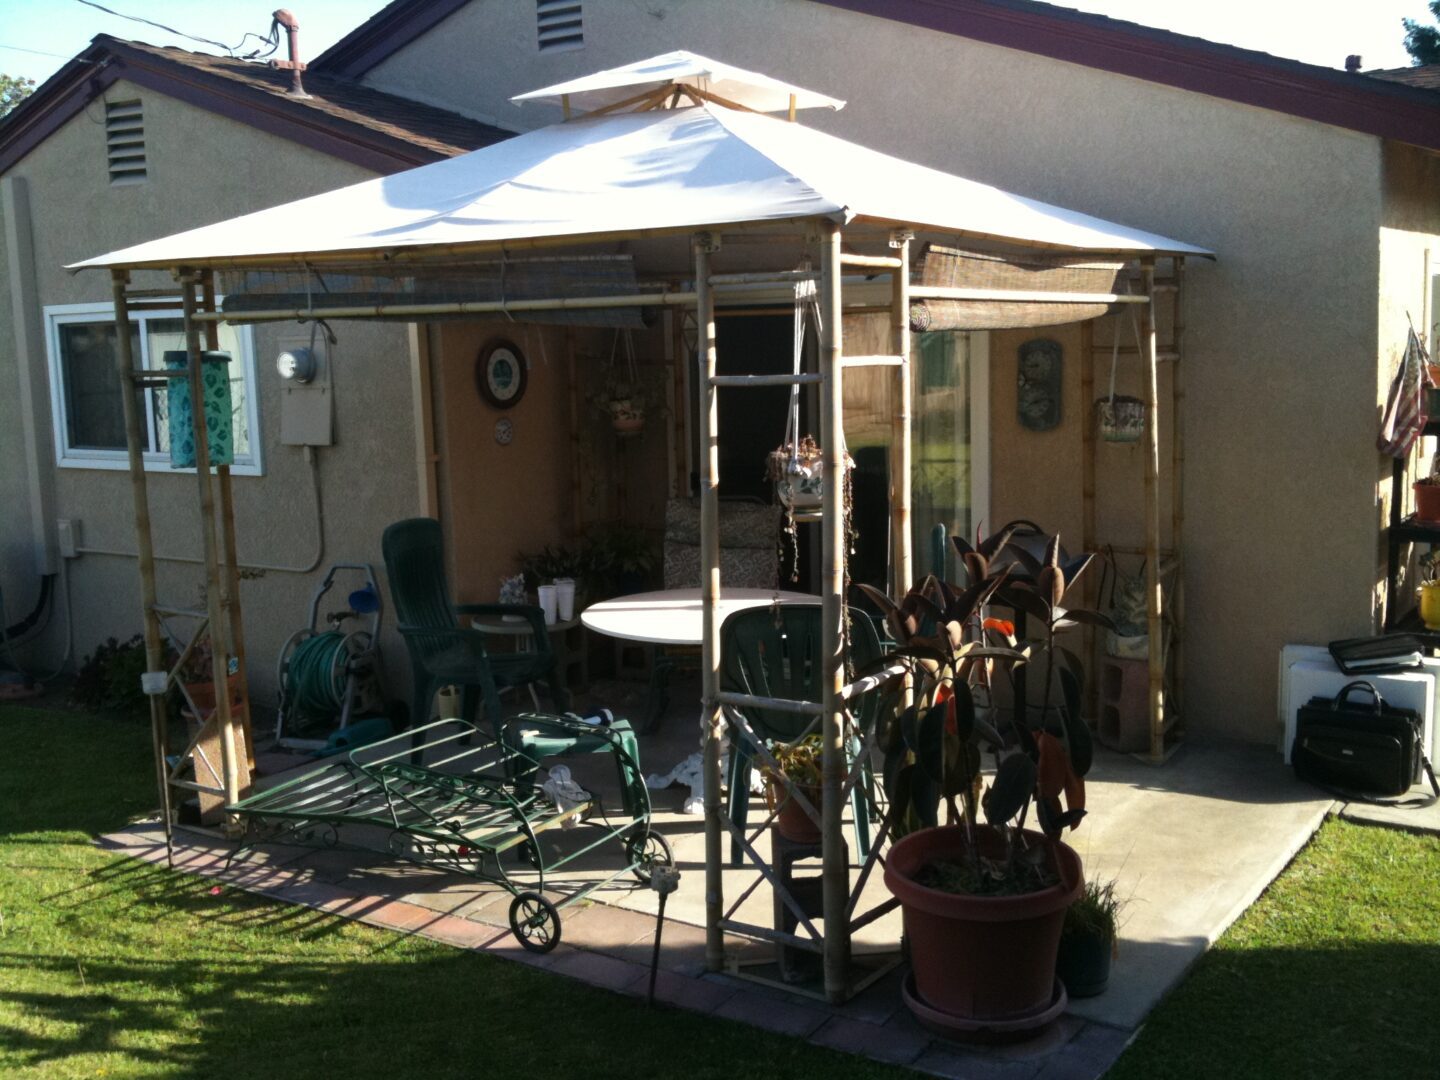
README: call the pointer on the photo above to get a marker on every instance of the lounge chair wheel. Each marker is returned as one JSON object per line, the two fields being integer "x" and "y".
{"x": 646, "y": 851}
{"x": 535, "y": 922}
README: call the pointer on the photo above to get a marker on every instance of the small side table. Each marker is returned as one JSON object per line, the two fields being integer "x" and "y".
{"x": 567, "y": 641}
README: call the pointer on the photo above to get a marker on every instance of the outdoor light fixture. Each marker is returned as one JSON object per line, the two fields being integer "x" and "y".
{"x": 297, "y": 365}
{"x": 690, "y": 331}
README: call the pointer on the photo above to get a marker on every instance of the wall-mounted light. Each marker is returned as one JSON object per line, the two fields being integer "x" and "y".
{"x": 297, "y": 365}
{"x": 690, "y": 331}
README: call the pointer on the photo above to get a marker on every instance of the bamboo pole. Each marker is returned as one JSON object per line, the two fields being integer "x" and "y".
{"x": 901, "y": 476}
{"x": 1177, "y": 485}
{"x": 1089, "y": 541}
{"x": 154, "y": 648}
{"x": 230, "y": 559}
{"x": 215, "y": 595}
{"x": 952, "y": 292}
{"x": 1154, "y": 621}
{"x": 835, "y": 874}
{"x": 455, "y": 307}
{"x": 711, "y": 718}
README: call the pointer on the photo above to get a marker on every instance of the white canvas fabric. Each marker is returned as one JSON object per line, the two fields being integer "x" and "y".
{"x": 694, "y": 167}
{"x": 748, "y": 88}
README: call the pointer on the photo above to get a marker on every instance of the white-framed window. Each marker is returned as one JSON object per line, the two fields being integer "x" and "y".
{"x": 86, "y": 407}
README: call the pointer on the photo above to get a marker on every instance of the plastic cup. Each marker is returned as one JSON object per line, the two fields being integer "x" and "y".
{"x": 548, "y": 603}
{"x": 565, "y": 598}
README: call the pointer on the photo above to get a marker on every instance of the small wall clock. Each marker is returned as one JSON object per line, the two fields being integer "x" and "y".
{"x": 1038, "y": 384}
{"x": 504, "y": 431}
{"x": 501, "y": 373}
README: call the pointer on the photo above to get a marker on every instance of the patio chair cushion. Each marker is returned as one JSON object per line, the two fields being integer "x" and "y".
{"x": 749, "y": 553}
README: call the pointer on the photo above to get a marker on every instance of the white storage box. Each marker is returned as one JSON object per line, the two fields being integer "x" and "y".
{"x": 1308, "y": 671}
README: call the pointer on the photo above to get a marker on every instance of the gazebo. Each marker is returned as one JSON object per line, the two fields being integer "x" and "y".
{"x": 675, "y": 162}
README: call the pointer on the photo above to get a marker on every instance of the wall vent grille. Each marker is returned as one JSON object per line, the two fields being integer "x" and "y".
{"x": 125, "y": 142}
{"x": 558, "y": 25}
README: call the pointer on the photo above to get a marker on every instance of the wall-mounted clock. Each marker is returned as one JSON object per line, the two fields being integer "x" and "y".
{"x": 501, "y": 373}
{"x": 504, "y": 431}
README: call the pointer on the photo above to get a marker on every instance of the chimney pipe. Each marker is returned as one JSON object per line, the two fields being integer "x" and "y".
{"x": 1352, "y": 63}
{"x": 294, "y": 64}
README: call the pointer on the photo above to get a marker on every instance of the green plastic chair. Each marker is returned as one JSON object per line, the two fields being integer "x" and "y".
{"x": 764, "y": 659}
{"x": 442, "y": 652}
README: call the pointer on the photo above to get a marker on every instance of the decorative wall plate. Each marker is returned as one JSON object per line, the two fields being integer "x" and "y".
{"x": 501, "y": 373}
{"x": 1038, "y": 384}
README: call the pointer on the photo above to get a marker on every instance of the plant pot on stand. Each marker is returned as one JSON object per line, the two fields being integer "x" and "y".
{"x": 1427, "y": 500}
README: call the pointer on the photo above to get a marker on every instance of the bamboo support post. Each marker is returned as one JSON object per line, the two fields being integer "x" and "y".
{"x": 230, "y": 560}
{"x": 1092, "y": 646}
{"x": 1177, "y": 485}
{"x": 215, "y": 593}
{"x": 1155, "y": 622}
{"x": 711, "y": 718}
{"x": 835, "y": 873}
{"x": 154, "y": 648}
{"x": 903, "y": 465}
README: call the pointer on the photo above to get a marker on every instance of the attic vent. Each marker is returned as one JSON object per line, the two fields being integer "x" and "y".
{"x": 125, "y": 141}
{"x": 557, "y": 25}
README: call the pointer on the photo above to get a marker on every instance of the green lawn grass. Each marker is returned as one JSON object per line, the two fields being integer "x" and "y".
{"x": 111, "y": 967}
{"x": 1334, "y": 972}
{"x": 114, "y": 968}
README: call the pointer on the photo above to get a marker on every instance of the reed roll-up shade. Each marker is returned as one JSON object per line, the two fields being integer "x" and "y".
{"x": 463, "y": 280}
{"x": 219, "y": 414}
{"x": 1027, "y": 273}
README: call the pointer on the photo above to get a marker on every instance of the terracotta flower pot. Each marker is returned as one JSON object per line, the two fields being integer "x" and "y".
{"x": 1427, "y": 502}
{"x": 981, "y": 958}
{"x": 792, "y": 822}
{"x": 203, "y": 694}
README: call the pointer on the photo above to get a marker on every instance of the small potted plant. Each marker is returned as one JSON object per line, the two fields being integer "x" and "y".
{"x": 799, "y": 764}
{"x": 617, "y": 560}
{"x": 1428, "y": 598}
{"x": 197, "y": 676}
{"x": 1089, "y": 939}
{"x": 1427, "y": 499}
{"x": 984, "y": 903}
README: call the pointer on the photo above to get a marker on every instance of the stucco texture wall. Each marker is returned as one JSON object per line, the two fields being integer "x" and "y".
{"x": 205, "y": 168}
{"x": 1282, "y": 330}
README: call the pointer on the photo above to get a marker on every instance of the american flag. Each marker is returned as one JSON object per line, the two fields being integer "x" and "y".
{"x": 1405, "y": 406}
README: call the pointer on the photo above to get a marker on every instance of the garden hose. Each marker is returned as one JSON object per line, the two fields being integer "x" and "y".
{"x": 317, "y": 675}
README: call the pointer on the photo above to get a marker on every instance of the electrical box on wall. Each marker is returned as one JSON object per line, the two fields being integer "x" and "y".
{"x": 307, "y": 413}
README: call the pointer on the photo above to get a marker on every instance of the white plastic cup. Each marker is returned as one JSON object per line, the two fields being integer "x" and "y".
{"x": 548, "y": 603}
{"x": 565, "y": 598}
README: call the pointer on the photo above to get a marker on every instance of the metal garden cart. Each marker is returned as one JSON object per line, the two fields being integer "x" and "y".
{"x": 452, "y": 798}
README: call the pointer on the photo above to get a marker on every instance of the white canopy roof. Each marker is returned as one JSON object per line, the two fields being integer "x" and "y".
{"x": 673, "y": 169}
{"x": 748, "y": 88}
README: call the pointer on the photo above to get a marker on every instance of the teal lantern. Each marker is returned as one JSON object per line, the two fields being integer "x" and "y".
{"x": 215, "y": 395}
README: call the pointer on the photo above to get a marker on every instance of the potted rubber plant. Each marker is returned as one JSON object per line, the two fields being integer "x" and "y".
{"x": 984, "y": 894}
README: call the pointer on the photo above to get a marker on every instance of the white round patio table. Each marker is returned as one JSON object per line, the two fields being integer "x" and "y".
{"x": 674, "y": 616}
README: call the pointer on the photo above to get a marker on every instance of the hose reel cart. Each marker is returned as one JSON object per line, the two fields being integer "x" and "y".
{"x": 329, "y": 678}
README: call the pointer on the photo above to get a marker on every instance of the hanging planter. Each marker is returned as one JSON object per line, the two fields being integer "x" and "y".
{"x": 1120, "y": 419}
{"x": 798, "y": 472}
{"x": 627, "y": 416}
{"x": 623, "y": 397}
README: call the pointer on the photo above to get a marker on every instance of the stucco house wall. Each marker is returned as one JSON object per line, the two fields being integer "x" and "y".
{"x": 1281, "y": 331}
{"x": 202, "y": 168}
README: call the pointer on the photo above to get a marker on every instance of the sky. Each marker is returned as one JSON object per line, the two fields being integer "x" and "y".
{"x": 1316, "y": 31}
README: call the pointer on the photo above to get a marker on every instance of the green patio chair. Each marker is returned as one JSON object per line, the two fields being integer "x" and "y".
{"x": 779, "y": 656}
{"x": 444, "y": 653}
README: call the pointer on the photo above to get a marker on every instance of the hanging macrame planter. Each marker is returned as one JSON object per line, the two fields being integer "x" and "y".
{"x": 624, "y": 398}
{"x": 1120, "y": 419}
{"x": 797, "y": 466}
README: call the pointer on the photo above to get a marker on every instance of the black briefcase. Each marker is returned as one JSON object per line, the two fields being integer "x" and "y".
{"x": 1359, "y": 748}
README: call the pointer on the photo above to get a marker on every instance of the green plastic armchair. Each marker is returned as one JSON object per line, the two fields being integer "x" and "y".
{"x": 444, "y": 653}
{"x": 764, "y": 659}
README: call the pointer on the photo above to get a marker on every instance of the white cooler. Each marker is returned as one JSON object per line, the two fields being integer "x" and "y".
{"x": 1308, "y": 671}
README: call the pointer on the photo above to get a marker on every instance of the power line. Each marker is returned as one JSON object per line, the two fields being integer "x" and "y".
{"x": 37, "y": 52}
{"x": 272, "y": 39}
